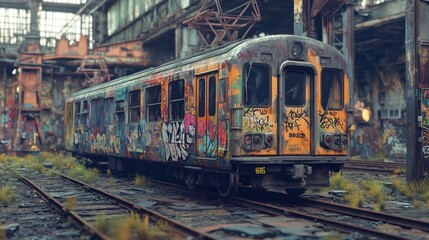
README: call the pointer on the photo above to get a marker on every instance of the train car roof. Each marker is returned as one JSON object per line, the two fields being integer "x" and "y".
{"x": 187, "y": 60}
{"x": 169, "y": 65}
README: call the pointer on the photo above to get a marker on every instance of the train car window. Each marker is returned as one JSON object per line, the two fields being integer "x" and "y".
{"x": 97, "y": 109}
{"x": 201, "y": 97}
{"x": 212, "y": 96}
{"x": 176, "y": 97}
{"x": 120, "y": 111}
{"x": 153, "y": 103}
{"x": 110, "y": 106}
{"x": 85, "y": 113}
{"x": 332, "y": 89}
{"x": 257, "y": 83}
{"x": 77, "y": 113}
{"x": 222, "y": 90}
{"x": 295, "y": 82}
{"x": 134, "y": 106}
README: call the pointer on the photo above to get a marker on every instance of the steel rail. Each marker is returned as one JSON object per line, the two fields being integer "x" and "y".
{"x": 340, "y": 226}
{"x": 364, "y": 213}
{"x": 80, "y": 222}
{"x": 275, "y": 210}
{"x": 152, "y": 214}
{"x": 374, "y": 165}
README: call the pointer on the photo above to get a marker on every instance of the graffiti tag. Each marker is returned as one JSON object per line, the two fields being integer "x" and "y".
{"x": 246, "y": 54}
{"x": 425, "y": 150}
{"x": 292, "y": 119}
{"x": 257, "y": 119}
{"x": 330, "y": 120}
{"x": 176, "y": 140}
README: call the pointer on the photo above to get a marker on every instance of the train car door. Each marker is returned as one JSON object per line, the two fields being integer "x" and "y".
{"x": 295, "y": 137}
{"x": 207, "y": 141}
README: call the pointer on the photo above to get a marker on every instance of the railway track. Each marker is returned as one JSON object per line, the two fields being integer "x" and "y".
{"x": 94, "y": 202}
{"x": 379, "y": 166}
{"x": 279, "y": 204}
{"x": 359, "y": 213}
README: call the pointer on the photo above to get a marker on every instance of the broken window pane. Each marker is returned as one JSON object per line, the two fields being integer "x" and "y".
{"x": 295, "y": 88}
{"x": 77, "y": 113}
{"x": 97, "y": 110}
{"x": 120, "y": 111}
{"x": 176, "y": 91}
{"x": 332, "y": 89}
{"x": 212, "y": 96}
{"x": 201, "y": 97}
{"x": 109, "y": 110}
{"x": 134, "y": 106}
{"x": 153, "y": 103}
{"x": 257, "y": 82}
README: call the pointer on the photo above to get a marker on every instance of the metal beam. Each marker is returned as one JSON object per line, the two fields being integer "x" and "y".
{"x": 46, "y": 6}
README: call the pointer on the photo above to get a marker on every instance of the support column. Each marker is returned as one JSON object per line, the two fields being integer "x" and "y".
{"x": 417, "y": 88}
{"x": 298, "y": 17}
{"x": 411, "y": 78}
{"x": 349, "y": 53}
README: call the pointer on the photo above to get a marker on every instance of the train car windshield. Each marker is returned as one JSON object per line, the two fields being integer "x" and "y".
{"x": 332, "y": 89}
{"x": 257, "y": 84}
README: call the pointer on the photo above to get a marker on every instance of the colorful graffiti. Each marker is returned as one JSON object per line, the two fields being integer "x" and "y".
{"x": 257, "y": 118}
{"x": 177, "y": 140}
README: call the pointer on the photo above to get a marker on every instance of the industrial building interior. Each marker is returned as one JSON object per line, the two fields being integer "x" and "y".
{"x": 49, "y": 49}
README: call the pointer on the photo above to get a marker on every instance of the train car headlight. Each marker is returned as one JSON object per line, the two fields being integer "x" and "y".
{"x": 328, "y": 140}
{"x": 269, "y": 139}
{"x": 256, "y": 139}
{"x": 297, "y": 50}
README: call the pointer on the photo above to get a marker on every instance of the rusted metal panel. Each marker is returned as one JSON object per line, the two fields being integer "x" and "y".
{"x": 128, "y": 53}
{"x": 63, "y": 49}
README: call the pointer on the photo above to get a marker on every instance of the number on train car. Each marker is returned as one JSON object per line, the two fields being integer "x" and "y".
{"x": 260, "y": 170}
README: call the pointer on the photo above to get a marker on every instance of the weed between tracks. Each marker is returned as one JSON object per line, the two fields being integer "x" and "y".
{"x": 139, "y": 180}
{"x": 2, "y": 233}
{"x": 71, "y": 203}
{"x": 6, "y": 195}
{"x": 419, "y": 191}
{"x": 355, "y": 196}
{"x": 132, "y": 227}
{"x": 377, "y": 193}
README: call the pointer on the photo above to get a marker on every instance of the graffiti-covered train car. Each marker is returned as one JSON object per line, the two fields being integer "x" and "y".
{"x": 265, "y": 112}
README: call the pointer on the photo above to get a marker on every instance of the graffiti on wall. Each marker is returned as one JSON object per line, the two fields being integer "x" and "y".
{"x": 257, "y": 118}
{"x": 293, "y": 119}
{"x": 424, "y": 106}
{"x": 329, "y": 119}
{"x": 106, "y": 142}
{"x": 177, "y": 139}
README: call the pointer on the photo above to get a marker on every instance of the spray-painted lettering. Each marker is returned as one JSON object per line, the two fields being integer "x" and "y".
{"x": 329, "y": 120}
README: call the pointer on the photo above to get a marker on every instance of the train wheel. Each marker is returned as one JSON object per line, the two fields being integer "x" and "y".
{"x": 295, "y": 191}
{"x": 227, "y": 184}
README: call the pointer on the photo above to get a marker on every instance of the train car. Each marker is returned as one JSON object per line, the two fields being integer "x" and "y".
{"x": 268, "y": 112}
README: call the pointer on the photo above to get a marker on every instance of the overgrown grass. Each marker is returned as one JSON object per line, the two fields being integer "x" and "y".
{"x": 354, "y": 195}
{"x": 71, "y": 203}
{"x": 61, "y": 161}
{"x": 377, "y": 194}
{"x": 399, "y": 171}
{"x": 6, "y": 195}
{"x": 332, "y": 236}
{"x": 130, "y": 228}
{"x": 2, "y": 233}
{"x": 80, "y": 171}
{"x": 413, "y": 190}
{"x": 402, "y": 187}
{"x": 139, "y": 180}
